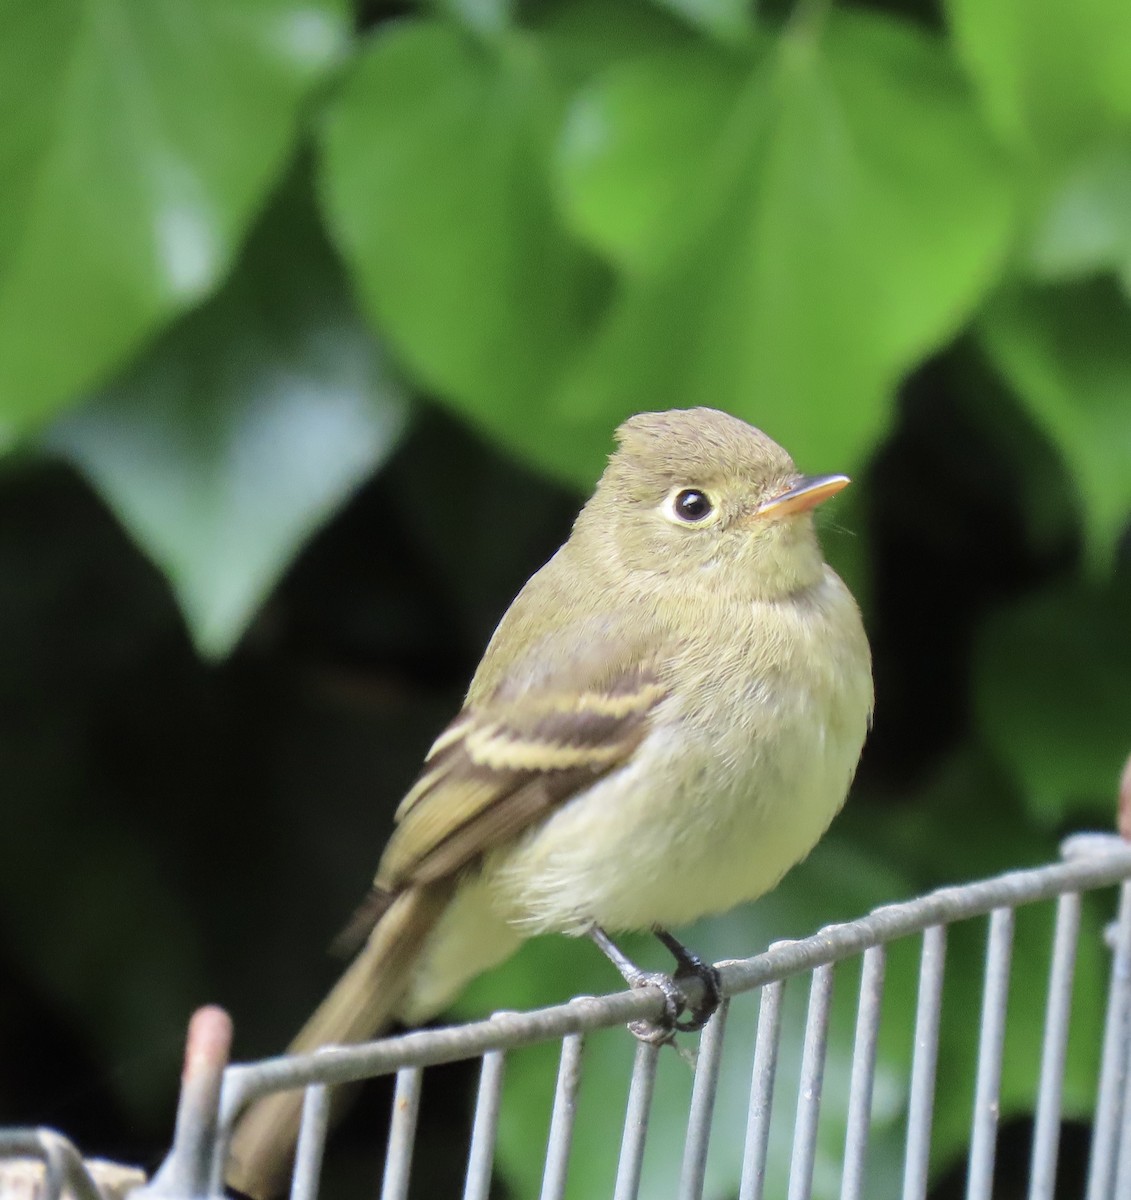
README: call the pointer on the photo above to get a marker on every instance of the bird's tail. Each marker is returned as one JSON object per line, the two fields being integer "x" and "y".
{"x": 361, "y": 1004}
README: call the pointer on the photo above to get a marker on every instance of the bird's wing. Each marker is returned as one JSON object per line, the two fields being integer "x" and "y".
{"x": 507, "y": 760}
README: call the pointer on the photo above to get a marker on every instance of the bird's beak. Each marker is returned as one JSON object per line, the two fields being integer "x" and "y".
{"x": 806, "y": 493}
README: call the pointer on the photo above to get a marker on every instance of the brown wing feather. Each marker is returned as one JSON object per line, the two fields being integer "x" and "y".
{"x": 500, "y": 769}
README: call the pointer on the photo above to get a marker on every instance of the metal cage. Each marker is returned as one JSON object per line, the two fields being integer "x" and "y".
{"x": 214, "y": 1093}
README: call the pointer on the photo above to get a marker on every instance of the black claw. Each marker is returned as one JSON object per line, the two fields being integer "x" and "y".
{"x": 688, "y": 966}
{"x": 656, "y": 1033}
{"x": 706, "y": 1008}
{"x": 691, "y": 966}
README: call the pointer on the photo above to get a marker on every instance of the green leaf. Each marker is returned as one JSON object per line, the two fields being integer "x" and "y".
{"x": 582, "y": 37}
{"x": 1052, "y": 686}
{"x": 434, "y": 182}
{"x": 1085, "y": 223}
{"x": 483, "y": 17}
{"x": 243, "y": 429}
{"x": 842, "y": 217}
{"x": 139, "y": 139}
{"x": 1067, "y": 353}
{"x": 644, "y": 161}
{"x": 1055, "y": 82}
{"x": 727, "y": 20}
{"x": 1052, "y": 75}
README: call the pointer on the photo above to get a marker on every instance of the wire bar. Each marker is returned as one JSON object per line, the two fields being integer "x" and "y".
{"x": 213, "y": 1095}
{"x": 1054, "y": 1050}
{"x": 921, "y": 1100}
{"x": 485, "y": 1127}
{"x": 1107, "y": 860}
{"x": 991, "y": 1045}
{"x": 636, "y": 1115}
{"x": 859, "y": 1117}
{"x": 703, "y": 1094}
{"x": 561, "y": 1123}
{"x": 1105, "y": 1130}
{"x": 311, "y": 1142}
{"x": 190, "y": 1166}
{"x": 402, "y": 1134}
{"x": 63, "y": 1166}
{"x": 1123, "y": 1149}
{"x": 219, "y": 1149}
{"x": 766, "y": 1048}
{"x": 812, "y": 1079}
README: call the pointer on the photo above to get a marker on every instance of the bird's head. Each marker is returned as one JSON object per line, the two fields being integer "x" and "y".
{"x": 699, "y": 494}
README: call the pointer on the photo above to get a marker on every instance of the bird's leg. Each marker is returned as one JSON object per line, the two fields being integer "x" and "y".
{"x": 658, "y": 1033}
{"x": 690, "y": 965}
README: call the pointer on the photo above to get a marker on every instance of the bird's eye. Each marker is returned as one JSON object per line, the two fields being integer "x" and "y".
{"x": 691, "y": 505}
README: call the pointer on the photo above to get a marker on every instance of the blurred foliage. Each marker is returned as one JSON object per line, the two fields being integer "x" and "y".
{"x": 335, "y": 312}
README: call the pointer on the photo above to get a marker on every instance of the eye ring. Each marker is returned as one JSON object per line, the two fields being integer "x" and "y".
{"x": 689, "y": 506}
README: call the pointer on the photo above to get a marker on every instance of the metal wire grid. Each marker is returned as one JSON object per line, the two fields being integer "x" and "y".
{"x": 213, "y": 1096}
{"x": 63, "y": 1165}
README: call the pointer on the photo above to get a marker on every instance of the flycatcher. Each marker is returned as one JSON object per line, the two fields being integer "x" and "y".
{"x": 665, "y": 721}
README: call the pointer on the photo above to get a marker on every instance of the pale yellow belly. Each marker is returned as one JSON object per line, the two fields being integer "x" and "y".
{"x": 684, "y": 831}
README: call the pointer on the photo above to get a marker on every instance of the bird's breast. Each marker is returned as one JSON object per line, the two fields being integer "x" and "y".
{"x": 743, "y": 769}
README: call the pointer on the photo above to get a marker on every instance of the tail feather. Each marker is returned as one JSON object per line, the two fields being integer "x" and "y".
{"x": 361, "y": 1004}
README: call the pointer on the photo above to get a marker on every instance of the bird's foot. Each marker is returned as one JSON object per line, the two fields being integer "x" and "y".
{"x": 655, "y": 1032}
{"x": 661, "y": 1032}
{"x": 689, "y": 966}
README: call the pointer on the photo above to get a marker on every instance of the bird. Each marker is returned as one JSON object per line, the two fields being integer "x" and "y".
{"x": 667, "y": 718}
